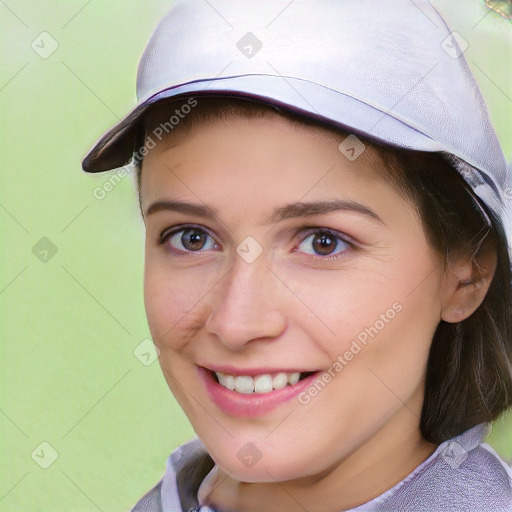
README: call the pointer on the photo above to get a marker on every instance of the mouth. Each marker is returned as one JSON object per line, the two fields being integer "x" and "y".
{"x": 263, "y": 383}
{"x": 239, "y": 394}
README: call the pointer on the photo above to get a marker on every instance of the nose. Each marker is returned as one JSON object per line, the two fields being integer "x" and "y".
{"x": 245, "y": 305}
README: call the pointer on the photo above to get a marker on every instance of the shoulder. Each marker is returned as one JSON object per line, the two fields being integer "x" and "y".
{"x": 151, "y": 501}
{"x": 464, "y": 474}
{"x": 186, "y": 466}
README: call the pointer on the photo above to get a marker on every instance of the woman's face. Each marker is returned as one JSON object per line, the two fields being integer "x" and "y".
{"x": 247, "y": 282}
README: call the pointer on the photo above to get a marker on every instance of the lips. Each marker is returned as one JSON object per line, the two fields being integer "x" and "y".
{"x": 250, "y": 396}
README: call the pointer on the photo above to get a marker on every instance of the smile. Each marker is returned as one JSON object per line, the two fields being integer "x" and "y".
{"x": 238, "y": 394}
{"x": 264, "y": 383}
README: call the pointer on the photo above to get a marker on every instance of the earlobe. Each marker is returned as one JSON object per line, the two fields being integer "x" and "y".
{"x": 466, "y": 283}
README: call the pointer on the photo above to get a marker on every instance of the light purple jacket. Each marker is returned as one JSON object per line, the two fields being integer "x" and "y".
{"x": 463, "y": 474}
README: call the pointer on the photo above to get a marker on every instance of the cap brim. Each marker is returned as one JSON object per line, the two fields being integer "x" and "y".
{"x": 116, "y": 147}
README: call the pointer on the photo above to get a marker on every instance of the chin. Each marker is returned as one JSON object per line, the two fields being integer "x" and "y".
{"x": 250, "y": 465}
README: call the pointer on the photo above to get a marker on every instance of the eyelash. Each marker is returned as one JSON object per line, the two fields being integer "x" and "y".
{"x": 169, "y": 233}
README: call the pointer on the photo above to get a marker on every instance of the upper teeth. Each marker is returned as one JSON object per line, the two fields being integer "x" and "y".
{"x": 259, "y": 383}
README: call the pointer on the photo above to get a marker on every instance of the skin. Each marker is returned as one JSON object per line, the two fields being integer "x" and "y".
{"x": 290, "y": 308}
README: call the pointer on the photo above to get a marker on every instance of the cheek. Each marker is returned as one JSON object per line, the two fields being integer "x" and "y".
{"x": 382, "y": 317}
{"x": 384, "y": 350}
{"x": 337, "y": 308}
{"x": 174, "y": 307}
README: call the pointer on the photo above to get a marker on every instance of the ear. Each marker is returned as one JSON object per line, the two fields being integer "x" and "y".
{"x": 466, "y": 282}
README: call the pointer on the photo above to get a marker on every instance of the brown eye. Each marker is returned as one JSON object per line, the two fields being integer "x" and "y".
{"x": 324, "y": 243}
{"x": 193, "y": 240}
{"x": 188, "y": 240}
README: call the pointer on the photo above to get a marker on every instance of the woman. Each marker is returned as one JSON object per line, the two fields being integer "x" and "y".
{"x": 327, "y": 275}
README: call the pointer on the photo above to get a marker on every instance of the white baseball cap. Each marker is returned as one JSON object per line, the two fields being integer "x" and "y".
{"x": 388, "y": 70}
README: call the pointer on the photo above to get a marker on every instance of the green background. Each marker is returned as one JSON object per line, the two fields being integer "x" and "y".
{"x": 71, "y": 321}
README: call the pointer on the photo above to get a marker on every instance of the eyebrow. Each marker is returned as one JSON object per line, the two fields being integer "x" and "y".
{"x": 288, "y": 211}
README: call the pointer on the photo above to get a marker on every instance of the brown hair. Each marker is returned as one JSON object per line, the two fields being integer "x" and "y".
{"x": 469, "y": 372}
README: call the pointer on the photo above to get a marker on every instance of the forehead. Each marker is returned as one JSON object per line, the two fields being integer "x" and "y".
{"x": 244, "y": 141}
{"x": 246, "y": 166}
{"x": 167, "y": 126}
